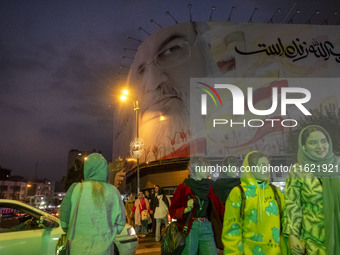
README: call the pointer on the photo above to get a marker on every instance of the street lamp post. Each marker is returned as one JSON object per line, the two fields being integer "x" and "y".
{"x": 28, "y": 186}
{"x": 136, "y": 109}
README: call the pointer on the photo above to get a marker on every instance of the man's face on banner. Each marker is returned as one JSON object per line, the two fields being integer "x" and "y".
{"x": 160, "y": 75}
{"x": 163, "y": 66}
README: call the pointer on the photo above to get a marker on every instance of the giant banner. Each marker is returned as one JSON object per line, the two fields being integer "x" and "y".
{"x": 175, "y": 66}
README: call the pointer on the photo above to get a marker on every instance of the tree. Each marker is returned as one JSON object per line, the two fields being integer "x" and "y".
{"x": 74, "y": 173}
{"x": 327, "y": 117}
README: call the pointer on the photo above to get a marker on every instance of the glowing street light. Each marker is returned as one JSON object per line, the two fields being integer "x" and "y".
{"x": 124, "y": 97}
{"x": 28, "y": 187}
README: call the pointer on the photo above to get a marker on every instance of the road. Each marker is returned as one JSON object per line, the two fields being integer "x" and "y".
{"x": 148, "y": 246}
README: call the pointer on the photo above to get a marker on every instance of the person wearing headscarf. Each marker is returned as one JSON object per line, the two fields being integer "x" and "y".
{"x": 128, "y": 207}
{"x": 159, "y": 209}
{"x": 312, "y": 195}
{"x": 141, "y": 206}
{"x": 100, "y": 215}
{"x": 227, "y": 180}
{"x": 196, "y": 197}
{"x": 148, "y": 196}
{"x": 255, "y": 228}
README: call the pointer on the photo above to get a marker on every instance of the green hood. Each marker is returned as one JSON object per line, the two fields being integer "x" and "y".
{"x": 305, "y": 158}
{"x": 248, "y": 178}
{"x": 330, "y": 189}
{"x": 96, "y": 168}
{"x": 254, "y": 189}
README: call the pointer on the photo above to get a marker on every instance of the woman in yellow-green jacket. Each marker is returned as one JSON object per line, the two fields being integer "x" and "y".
{"x": 253, "y": 212}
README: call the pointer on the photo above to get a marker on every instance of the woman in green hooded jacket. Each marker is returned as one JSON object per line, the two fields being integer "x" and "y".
{"x": 100, "y": 215}
{"x": 253, "y": 212}
{"x": 312, "y": 196}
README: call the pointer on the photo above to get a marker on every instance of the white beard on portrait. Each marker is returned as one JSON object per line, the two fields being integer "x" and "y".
{"x": 166, "y": 131}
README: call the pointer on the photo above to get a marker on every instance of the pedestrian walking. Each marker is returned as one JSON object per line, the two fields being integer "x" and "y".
{"x": 195, "y": 197}
{"x": 254, "y": 212}
{"x": 159, "y": 209}
{"x": 227, "y": 180}
{"x": 140, "y": 208}
{"x": 128, "y": 207}
{"x": 312, "y": 196}
{"x": 98, "y": 216}
{"x": 148, "y": 196}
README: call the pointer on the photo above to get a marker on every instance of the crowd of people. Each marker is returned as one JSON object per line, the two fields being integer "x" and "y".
{"x": 148, "y": 212}
{"x": 243, "y": 214}
{"x": 258, "y": 217}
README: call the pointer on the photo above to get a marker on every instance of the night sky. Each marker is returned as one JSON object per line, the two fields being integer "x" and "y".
{"x": 60, "y": 68}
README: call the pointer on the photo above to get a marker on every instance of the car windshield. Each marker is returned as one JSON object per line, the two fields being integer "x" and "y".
{"x": 16, "y": 218}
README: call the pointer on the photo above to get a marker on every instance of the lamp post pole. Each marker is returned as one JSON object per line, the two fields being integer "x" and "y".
{"x": 139, "y": 147}
{"x": 136, "y": 108}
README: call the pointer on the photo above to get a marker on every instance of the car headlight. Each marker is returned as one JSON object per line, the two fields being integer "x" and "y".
{"x": 131, "y": 231}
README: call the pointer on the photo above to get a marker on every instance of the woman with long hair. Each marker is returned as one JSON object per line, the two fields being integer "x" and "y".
{"x": 312, "y": 195}
{"x": 96, "y": 208}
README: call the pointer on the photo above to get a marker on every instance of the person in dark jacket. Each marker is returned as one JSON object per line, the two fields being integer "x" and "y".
{"x": 229, "y": 179}
{"x": 197, "y": 196}
{"x": 159, "y": 208}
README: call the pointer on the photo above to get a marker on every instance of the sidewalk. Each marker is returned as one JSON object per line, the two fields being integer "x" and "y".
{"x": 149, "y": 246}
